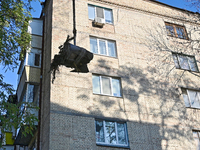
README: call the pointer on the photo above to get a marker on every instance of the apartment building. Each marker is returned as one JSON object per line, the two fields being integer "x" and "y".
{"x": 142, "y": 90}
{"x": 28, "y": 89}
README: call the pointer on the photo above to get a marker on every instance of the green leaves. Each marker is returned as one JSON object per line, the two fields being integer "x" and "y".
{"x": 14, "y": 41}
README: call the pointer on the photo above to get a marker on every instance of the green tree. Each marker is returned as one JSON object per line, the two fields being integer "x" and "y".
{"x": 14, "y": 41}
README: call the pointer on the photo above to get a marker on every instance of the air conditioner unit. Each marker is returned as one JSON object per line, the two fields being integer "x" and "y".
{"x": 99, "y": 21}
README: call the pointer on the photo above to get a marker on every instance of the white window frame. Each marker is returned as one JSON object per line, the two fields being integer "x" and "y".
{"x": 106, "y": 42}
{"x": 189, "y": 98}
{"x": 116, "y": 133}
{"x": 110, "y": 79}
{"x": 178, "y": 59}
{"x": 103, "y": 13}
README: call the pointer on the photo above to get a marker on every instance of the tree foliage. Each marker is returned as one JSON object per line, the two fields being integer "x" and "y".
{"x": 14, "y": 41}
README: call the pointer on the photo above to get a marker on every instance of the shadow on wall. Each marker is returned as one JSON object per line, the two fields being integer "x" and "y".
{"x": 76, "y": 131}
{"x": 156, "y": 116}
{"x": 151, "y": 103}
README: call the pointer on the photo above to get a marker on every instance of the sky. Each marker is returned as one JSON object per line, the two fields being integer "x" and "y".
{"x": 11, "y": 77}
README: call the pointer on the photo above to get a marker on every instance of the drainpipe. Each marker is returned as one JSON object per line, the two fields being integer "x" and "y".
{"x": 74, "y": 22}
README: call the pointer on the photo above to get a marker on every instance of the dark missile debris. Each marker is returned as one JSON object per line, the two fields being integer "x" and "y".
{"x": 71, "y": 56}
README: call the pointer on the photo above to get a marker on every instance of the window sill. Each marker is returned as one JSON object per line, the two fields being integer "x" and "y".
{"x": 105, "y": 56}
{"x": 178, "y": 37}
{"x": 193, "y": 108}
{"x": 105, "y": 22}
{"x": 187, "y": 70}
{"x": 116, "y": 146}
{"x": 108, "y": 95}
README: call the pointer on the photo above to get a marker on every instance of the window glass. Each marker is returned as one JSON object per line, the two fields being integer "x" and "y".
{"x": 37, "y": 60}
{"x": 184, "y": 62}
{"x": 91, "y": 12}
{"x": 170, "y": 30}
{"x": 100, "y": 12}
{"x": 186, "y": 100}
{"x": 106, "y": 85}
{"x": 36, "y": 94}
{"x": 31, "y": 59}
{"x": 116, "y": 87}
{"x": 180, "y": 32}
{"x": 176, "y": 30}
{"x": 102, "y": 47}
{"x": 99, "y": 131}
{"x": 96, "y": 84}
{"x": 192, "y": 63}
{"x": 30, "y": 93}
{"x": 93, "y": 45}
{"x": 110, "y": 133}
{"x": 121, "y": 133}
{"x": 197, "y": 140}
{"x": 194, "y": 99}
{"x": 176, "y": 61}
{"x": 111, "y": 49}
{"x": 108, "y": 15}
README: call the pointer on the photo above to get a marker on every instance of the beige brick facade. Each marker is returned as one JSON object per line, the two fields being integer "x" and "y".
{"x": 152, "y": 104}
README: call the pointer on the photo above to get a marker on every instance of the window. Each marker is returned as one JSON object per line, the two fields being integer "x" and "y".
{"x": 196, "y": 136}
{"x": 106, "y": 85}
{"x": 31, "y": 95}
{"x": 111, "y": 133}
{"x": 99, "y": 12}
{"x": 34, "y": 58}
{"x": 191, "y": 98}
{"x": 103, "y": 47}
{"x": 176, "y": 30}
{"x": 37, "y": 60}
{"x": 185, "y": 62}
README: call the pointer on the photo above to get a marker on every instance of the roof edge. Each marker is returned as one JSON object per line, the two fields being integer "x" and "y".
{"x": 163, "y": 4}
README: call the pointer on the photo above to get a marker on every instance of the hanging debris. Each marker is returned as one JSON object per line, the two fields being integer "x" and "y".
{"x": 71, "y": 56}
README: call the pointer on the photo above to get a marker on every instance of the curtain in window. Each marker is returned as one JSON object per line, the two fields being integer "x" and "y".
{"x": 116, "y": 87}
{"x": 99, "y": 12}
{"x": 106, "y": 85}
{"x": 111, "y": 49}
{"x": 102, "y": 47}
{"x": 93, "y": 45}
{"x": 96, "y": 84}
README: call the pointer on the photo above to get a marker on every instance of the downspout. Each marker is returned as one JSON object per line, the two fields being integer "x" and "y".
{"x": 41, "y": 76}
{"x": 74, "y": 22}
